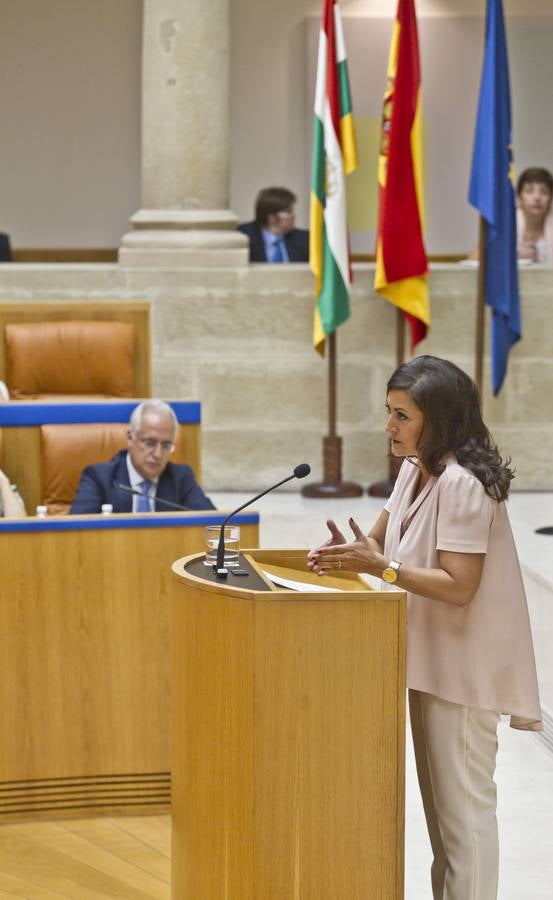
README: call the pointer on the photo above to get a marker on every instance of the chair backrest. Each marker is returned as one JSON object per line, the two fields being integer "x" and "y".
{"x": 71, "y": 359}
{"x": 67, "y": 449}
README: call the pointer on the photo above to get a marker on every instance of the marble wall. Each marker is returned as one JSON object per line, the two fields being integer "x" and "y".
{"x": 240, "y": 341}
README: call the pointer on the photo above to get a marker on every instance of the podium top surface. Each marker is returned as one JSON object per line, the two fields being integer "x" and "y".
{"x": 269, "y": 573}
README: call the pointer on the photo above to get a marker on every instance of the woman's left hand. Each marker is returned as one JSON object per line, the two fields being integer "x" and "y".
{"x": 361, "y": 555}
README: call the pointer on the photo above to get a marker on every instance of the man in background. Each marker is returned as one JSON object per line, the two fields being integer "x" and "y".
{"x": 273, "y": 235}
{"x": 141, "y": 477}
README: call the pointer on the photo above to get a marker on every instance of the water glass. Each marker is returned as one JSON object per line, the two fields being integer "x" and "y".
{"x": 232, "y": 544}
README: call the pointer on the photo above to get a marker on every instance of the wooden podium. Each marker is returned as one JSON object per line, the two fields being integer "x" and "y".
{"x": 288, "y": 734}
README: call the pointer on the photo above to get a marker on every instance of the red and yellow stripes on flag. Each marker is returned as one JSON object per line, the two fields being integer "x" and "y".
{"x": 401, "y": 264}
{"x": 334, "y": 157}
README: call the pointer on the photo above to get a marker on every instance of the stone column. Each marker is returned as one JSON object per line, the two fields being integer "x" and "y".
{"x": 185, "y": 219}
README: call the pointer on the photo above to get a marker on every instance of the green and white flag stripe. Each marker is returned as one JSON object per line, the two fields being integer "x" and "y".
{"x": 329, "y": 251}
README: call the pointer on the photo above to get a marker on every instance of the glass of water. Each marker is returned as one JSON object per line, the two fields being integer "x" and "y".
{"x": 232, "y": 544}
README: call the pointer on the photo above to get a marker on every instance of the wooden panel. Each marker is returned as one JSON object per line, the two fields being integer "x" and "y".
{"x": 64, "y": 255}
{"x": 213, "y": 746}
{"x": 22, "y": 464}
{"x": 288, "y": 742}
{"x": 53, "y": 797}
{"x": 326, "y": 695}
{"x": 432, "y": 257}
{"x": 84, "y": 656}
{"x": 189, "y": 448}
{"x": 136, "y": 313}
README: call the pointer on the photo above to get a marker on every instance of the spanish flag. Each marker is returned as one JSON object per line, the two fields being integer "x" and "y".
{"x": 401, "y": 265}
{"x": 334, "y": 157}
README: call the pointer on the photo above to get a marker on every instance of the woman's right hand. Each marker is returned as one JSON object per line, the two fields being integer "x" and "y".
{"x": 336, "y": 537}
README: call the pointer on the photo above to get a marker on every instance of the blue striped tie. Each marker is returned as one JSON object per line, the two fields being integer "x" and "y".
{"x": 143, "y": 503}
{"x": 277, "y": 255}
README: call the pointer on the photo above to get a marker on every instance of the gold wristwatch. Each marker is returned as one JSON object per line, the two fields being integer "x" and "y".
{"x": 391, "y": 572}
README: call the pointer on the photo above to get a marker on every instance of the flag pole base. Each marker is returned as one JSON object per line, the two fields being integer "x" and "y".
{"x": 332, "y": 490}
{"x": 385, "y": 488}
{"x": 380, "y": 489}
{"x": 332, "y": 485}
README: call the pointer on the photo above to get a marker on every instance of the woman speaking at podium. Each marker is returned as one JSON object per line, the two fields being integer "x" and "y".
{"x": 444, "y": 537}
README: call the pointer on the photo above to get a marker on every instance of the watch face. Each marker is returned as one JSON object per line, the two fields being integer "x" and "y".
{"x": 389, "y": 575}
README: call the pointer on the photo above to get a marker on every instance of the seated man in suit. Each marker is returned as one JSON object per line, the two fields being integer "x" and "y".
{"x": 273, "y": 235}
{"x": 144, "y": 467}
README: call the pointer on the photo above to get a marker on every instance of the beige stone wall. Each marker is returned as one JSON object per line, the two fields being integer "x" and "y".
{"x": 240, "y": 341}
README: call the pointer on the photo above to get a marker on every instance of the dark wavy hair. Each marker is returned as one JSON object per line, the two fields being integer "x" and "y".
{"x": 452, "y": 422}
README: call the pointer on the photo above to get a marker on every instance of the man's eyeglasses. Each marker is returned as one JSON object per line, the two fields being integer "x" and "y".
{"x": 152, "y": 444}
{"x": 285, "y": 215}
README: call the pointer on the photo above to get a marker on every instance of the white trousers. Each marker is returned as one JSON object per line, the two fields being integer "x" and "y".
{"x": 455, "y": 752}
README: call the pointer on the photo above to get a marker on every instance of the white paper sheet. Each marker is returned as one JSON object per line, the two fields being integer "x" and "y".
{"x": 302, "y": 586}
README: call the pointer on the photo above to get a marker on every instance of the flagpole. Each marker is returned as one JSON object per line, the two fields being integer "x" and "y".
{"x": 332, "y": 385}
{"x": 400, "y": 338}
{"x": 385, "y": 488}
{"x": 401, "y": 261}
{"x": 480, "y": 308}
{"x": 334, "y": 150}
{"x": 491, "y": 192}
{"x": 332, "y": 485}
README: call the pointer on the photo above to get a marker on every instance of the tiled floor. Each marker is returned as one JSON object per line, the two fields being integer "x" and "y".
{"x": 525, "y": 765}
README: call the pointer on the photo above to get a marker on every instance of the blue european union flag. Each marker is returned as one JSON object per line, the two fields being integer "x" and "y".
{"x": 492, "y": 193}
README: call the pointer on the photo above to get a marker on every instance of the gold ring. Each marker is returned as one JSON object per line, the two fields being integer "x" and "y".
{"x": 339, "y": 563}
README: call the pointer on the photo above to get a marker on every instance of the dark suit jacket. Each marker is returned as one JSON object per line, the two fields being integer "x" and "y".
{"x": 297, "y": 243}
{"x": 99, "y": 482}
{"x": 5, "y": 249}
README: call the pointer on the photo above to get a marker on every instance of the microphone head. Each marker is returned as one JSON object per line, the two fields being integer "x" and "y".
{"x": 302, "y": 470}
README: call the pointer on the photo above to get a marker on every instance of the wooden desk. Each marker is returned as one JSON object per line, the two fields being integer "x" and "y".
{"x": 84, "y": 659}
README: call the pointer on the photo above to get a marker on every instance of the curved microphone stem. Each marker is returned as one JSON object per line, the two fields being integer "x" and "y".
{"x": 130, "y": 490}
{"x": 221, "y": 545}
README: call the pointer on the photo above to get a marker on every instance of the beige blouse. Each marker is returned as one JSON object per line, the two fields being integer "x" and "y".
{"x": 482, "y": 654}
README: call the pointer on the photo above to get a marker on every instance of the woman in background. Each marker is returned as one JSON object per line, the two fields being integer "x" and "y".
{"x": 534, "y": 219}
{"x": 444, "y": 537}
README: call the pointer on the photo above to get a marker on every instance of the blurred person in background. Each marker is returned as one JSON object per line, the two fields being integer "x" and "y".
{"x": 273, "y": 235}
{"x": 11, "y": 504}
{"x": 534, "y": 219}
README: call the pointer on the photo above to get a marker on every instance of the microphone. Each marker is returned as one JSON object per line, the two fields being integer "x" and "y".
{"x": 129, "y": 490}
{"x": 299, "y": 472}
